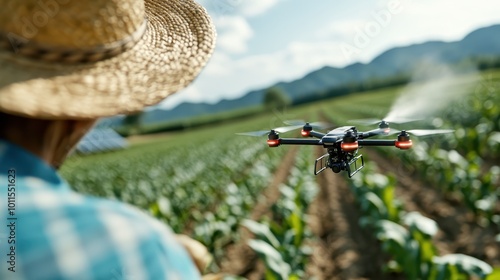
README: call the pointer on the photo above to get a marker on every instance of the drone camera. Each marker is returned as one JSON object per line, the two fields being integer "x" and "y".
{"x": 337, "y": 167}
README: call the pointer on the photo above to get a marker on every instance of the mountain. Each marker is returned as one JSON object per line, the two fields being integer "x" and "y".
{"x": 188, "y": 109}
{"x": 484, "y": 42}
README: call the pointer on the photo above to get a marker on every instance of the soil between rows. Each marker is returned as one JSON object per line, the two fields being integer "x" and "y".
{"x": 240, "y": 258}
{"x": 459, "y": 231}
{"x": 344, "y": 250}
{"x": 341, "y": 249}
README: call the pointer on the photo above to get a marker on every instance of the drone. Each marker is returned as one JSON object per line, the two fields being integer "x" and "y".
{"x": 342, "y": 143}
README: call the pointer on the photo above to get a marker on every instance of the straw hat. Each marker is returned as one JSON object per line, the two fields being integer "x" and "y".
{"x": 62, "y": 59}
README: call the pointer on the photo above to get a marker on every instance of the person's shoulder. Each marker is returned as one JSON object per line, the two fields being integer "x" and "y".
{"x": 120, "y": 214}
{"x": 112, "y": 213}
{"x": 142, "y": 239}
{"x": 57, "y": 200}
{"x": 107, "y": 237}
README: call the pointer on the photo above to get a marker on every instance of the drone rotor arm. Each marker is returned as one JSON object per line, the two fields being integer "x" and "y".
{"x": 316, "y": 134}
{"x": 372, "y": 143}
{"x": 296, "y": 141}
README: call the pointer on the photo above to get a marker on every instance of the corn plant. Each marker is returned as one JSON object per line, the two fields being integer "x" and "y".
{"x": 407, "y": 237}
{"x": 459, "y": 266}
{"x": 280, "y": 241}
{"x": 204, "y": 194}
{"x": 456, "y": 174}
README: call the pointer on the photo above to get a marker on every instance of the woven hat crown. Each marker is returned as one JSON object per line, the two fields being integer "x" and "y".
{"x": 77, "y": 59}
{"x": 83, "y": 24}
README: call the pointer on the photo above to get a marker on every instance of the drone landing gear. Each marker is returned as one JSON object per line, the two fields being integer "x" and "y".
{"x": 321, "y": 164}
{"x": 352, "y": 166}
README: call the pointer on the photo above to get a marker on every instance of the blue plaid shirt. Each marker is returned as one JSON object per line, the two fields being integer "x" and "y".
{"x": 47, "y": 231}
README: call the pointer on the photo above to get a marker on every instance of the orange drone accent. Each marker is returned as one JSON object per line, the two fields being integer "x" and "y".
{"x": 349, "y": 147}
{"x": 273, "y": 142}
{"x": 404, "y": 145}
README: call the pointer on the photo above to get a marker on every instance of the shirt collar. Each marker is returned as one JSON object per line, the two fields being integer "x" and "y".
{"x": 26, "y": 164}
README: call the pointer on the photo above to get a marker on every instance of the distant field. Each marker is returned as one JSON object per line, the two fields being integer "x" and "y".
{"x": 206, "y": 182}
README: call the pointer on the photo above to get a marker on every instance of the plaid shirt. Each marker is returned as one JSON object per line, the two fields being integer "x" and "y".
{"x": 47, "y": 231}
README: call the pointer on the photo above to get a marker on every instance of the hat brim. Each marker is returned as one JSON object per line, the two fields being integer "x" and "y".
{"x": 177, "y": 44}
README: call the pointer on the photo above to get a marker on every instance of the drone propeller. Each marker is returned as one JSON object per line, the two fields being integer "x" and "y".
{"x": 300, "y": 123}
{"x": 282, "y": 129}
{"x": 423, "y": 132}
{"x": 377, "y": 121}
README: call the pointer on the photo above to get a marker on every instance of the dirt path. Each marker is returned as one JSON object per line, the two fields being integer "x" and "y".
{"x": 240, "y": 259}
{"x": 459, "y": 232}
{"x": 344, "y": 250}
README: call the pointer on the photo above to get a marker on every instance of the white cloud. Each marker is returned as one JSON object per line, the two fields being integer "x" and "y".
{"x": 377, "y": 29}
{"x": 234, "y": 33}
{"x": 247, "y": 8}
{"x": 219, "y": 79}
{"x": 230, "y": 78}
{"x": 297, "y": 60}
{"x": 449, "y": 19}
{"x": 255, "y": 7}
{"x": 230, "y": 19}
{"x": 339, "y": 30}
{"x": 419, "y": 21}
{"x": 219, "y": 65}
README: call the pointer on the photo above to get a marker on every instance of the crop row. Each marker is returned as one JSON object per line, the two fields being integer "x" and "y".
{"x": 203, "y": 189}
{"x": 460, "y": 177}
{"x": 463, "y": 164}
{"x": 467, "y": 162}
{"x": 408, "y": 237}
{"x": 219, "y": 227}
{"x": 280, "y": 240}
{"x": 476, "y": 119}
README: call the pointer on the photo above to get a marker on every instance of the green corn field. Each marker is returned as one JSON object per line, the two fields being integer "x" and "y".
{"x": 432, "y": 212}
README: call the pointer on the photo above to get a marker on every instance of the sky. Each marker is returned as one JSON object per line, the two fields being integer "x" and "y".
{"x": 262, "y": 42}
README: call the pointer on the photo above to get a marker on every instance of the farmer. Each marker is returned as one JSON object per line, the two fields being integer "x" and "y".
{"x": 63, "y": 65}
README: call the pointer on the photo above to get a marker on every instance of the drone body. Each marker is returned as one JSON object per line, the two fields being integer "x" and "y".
{"x": 342, "y": 144}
